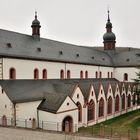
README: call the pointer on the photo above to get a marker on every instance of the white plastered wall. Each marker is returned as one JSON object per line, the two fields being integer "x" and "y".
{"x": 6, "y": 106}
{"x": 105, "y": 71}
{"x": 53, "y": 121}
{"x": 78, "y": 97}
{"x": 27, "y": 110}
{"x": 119, "y": 73}
{"x": 25, "y": 68}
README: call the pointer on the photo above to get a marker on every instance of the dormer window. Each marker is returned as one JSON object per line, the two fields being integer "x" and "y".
{"x": 61, "y": 52}
{"x": 39, "y": 49}
{"x": 77, "y": 55}
{"x": 9, "y": 45}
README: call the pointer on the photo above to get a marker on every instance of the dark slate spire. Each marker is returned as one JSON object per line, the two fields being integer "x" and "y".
{"x": 36, "y": 27}
{"x": 108, "y": 24}
{"x": 109, "y": 37}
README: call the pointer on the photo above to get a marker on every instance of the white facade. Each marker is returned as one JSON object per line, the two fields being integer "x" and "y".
{"x": 25, "y": 70}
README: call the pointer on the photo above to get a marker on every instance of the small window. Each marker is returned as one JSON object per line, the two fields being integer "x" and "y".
{"x": 92, "y": 93}
{"x": 81, "y": 74}
{"x": 62, "y": 74}
{"x": 101, "y": 91}
{"x": 108, "y": 75}
{"x": 60, "y": 52}
{"x": 44, "y": 74}
{"x": 39, "y": 49}
{"x": 100, "y": 74}
{"x": 2, "y": 91}
{"x": 77, "y": 55}
{"x": 111, "y": 74}
{"x": 9, "y": 45}
{"x": 12, "y": 73}
{"x": 67, "y": 104}
{"x": 125, "y": 77}
{"x": 5, "y": 106}
{"x": 36, "y": 74}
{"x": 86, "y": 74}
{"x": 68, "y": 74}
{"x": 77, "y": 95}
{"x": 96, "y": 74}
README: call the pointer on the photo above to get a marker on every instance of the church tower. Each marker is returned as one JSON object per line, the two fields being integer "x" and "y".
{"x": 109, "y": 37}
{"x": 36, "y": 27}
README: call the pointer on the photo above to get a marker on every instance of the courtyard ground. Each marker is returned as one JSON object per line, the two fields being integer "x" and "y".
{"x": 24, "y": 134}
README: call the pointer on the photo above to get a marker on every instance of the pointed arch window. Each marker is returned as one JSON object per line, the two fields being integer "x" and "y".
{"x": 86, "y": 74}
{"x": 68, "y": 74}
{"x": 81, "y": 74}
{"x": 62, "y": 74}
{"x": 91, "y": 111}
{"x": 134, "y": 99}
{"x": 109, "y": 105}
{"x": 36, "y": 74}
{"x": 100, "y": 74}
{"x": 101, "y": 107}
{"x": 79, "y": 112}
{"x": 129, "y": 101}
{"x": 108, "y": 75}
{"x": 125, "y": 77}
{"x": 111, "y": 74}
{"x": 44, "y": 74}
{"x": 123, "y": 101}
{"x": 117, "y": 102}
{"x": 12, "y": 73}
{"x": 96, "y": 74}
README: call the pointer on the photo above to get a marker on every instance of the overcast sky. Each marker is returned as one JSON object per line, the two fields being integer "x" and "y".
{"x": 80, "y": 22}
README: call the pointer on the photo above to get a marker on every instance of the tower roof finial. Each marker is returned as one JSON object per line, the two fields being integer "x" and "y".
{"x": 108, "y": 14}
{"x": 35, "y": 14}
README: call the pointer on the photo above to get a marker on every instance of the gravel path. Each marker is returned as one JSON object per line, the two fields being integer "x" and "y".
{"x": 22, "y": 134}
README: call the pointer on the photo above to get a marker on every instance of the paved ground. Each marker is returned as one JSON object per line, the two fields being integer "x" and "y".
{"x": 22, "y": 134}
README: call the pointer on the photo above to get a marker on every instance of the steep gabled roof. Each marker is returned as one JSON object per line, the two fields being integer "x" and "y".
{"x": 51, "y": 92}
{"x": 18, "y": 45}
{"x": 52, "y": 103}
{"x": 25, "y": 46}
{"x": 31, "y": 90}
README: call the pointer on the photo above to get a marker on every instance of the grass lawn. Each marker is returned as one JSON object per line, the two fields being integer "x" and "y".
{"x": 129, "y": 121}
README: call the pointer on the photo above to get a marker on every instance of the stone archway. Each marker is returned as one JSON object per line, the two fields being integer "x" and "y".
{"x": 67, "y": 124}
{"x": 4, "y": 120}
